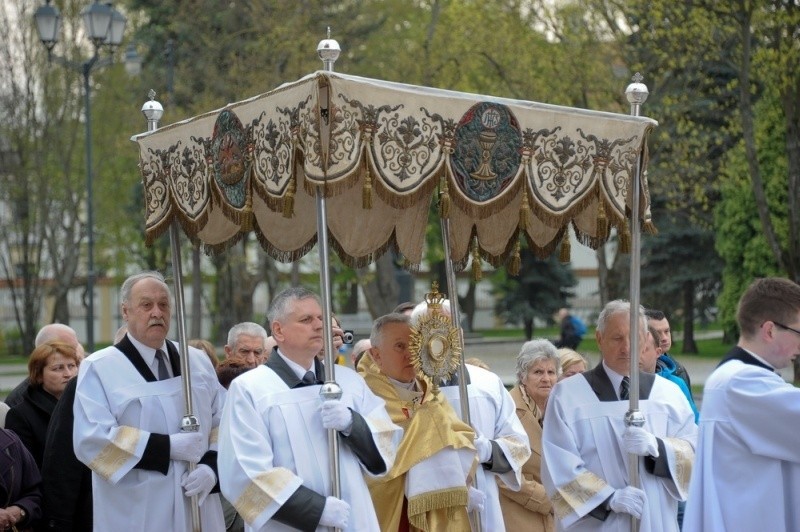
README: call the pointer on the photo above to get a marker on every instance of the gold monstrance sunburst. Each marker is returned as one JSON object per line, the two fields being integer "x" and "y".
{"x": 435, "y": 346}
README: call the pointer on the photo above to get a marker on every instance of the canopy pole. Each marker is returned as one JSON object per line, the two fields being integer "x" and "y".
{"x": 636, "y": 94}
{"x": 153, "y": 111}
{"x": 455, "y": 315}
{"x": 328, "y": 51}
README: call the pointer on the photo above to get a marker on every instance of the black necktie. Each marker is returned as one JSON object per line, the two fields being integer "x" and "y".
{"x": 624, "y": 388}
{"x": 309, "y": 378}
{"x": 163, "y": 372}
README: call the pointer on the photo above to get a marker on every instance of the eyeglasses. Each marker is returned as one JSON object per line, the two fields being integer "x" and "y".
{"x": 782, "y": 326}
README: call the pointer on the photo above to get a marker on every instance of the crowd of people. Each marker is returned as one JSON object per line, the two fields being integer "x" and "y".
{"x": 101, "y": 441}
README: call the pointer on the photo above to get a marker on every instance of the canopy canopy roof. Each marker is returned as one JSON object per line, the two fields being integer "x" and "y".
{"x": 377, "y": 150}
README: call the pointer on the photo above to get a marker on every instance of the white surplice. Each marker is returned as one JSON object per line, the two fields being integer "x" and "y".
{"x": 747, "y": 474}
{"x": 115, "y": 410}
{"x": 272, "y": 441}
{"x": 583, "y": 462}
{"x": 493, "y": 415}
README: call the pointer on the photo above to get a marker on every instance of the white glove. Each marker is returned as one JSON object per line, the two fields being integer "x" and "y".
{"x": 476, "y": 499}
{"x": 187, "y": 446}
{"x": 199, "y": 482}
{"x": 484, "y": 448}
{"x": 636, "y": 440}
{"x": 628, "y": 500}
{"x": 335, "y": 415}
{"x": 335, "y": 514}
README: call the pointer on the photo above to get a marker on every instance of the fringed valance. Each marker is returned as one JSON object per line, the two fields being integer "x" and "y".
{"x": 380, "y": 152}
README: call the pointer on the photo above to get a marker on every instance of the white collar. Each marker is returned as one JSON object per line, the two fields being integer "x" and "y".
{"x": 614, "y": 377}
{"x": 760, "y": 359}
{"x": 148, "y": 353}
{"x": 297, "y": 368}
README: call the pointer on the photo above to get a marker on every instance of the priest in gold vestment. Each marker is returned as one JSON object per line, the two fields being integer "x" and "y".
{"x": 429, "y": 486}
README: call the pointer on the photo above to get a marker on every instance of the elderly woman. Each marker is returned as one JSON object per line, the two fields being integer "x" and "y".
{"x": 50, "y": 367}
{"x": 572, "y": 363}
{"x": 19, "y": 484}
{"x": 538, "y": 367}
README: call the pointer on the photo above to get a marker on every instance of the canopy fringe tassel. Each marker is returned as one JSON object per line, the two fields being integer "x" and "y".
{"x": 477, "y": 271}
{"x": 515, "y": 265}
{"x": 565, "y": 252}
{"x": 444, "y": 199}
{"x": 288, "y": 200}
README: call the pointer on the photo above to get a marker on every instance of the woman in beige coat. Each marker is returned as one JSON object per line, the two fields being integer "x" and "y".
{"x": 537, "y": 372}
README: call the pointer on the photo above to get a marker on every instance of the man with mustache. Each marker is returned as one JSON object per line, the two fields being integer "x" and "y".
{"x": 128, "y": 409}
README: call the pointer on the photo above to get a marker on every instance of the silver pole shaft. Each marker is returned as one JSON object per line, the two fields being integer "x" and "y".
{"x": 634, "y": 417}
{"x": 325, "y": 293}
{"x": 328, "y": 51}
{"x": 189, "y": 422}
{"x": 455, "y": 315}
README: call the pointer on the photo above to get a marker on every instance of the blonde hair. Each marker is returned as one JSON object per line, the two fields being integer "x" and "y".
{"x": 568, "y": 357}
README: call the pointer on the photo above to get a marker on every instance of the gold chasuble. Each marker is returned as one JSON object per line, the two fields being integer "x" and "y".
{"x": 435, "y": 460}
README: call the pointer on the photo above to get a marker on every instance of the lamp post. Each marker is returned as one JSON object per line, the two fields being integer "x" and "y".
{"x": 104, "y": 26}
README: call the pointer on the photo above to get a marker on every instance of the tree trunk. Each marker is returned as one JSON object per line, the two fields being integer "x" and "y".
{"x": 749, "y": 137}
{"x": 379, "y": 286}
{"x": 689, "y": 344}
{"x": 528, "y": 325}
{"x": 466, "y": 306}
{"x": 602, "y": 276}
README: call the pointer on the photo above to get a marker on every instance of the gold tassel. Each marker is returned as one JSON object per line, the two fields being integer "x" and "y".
{"x": 444, "y": 199}
{"x": 246, "y": 224}
{"x": 477, "y": 271}
{"x": 624, "y": 238}
{"x": 516, "y": 261}
{"x": 602, "y": 219}
{"x": 566, "y": 248}
{"x": 366, "y": 192}
{"x": 524, "y": 210}
{"x": 288, "y": 200}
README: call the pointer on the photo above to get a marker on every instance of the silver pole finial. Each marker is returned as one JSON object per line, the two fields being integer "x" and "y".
{"x": 328, "y": 50}
{"x": 152, "y": 111}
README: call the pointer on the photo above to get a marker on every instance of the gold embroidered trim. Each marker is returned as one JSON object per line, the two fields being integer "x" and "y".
{"x": 384, "y": 436}
{"x": 573, "y": 495}
{"x": 684, "y": 458}
{"x": 261, "y": 492}
{"x": 419, "y": 505}
{"x": 213, "y": 437}
{"x": 116, "y": 453}
{"x": 517, "y": 448}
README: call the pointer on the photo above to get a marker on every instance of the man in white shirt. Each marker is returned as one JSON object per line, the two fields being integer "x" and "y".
{"x": 273, "y": 449}
{"x": 128, "y": 409}
{"x": 585, "y": 442}
{"x": 747, "y": 473}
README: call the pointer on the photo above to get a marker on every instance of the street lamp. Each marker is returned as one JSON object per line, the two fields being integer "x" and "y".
{"x": 105, "y": 26}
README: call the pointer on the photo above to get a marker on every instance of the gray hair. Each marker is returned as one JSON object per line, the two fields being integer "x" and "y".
{"x": 362, "y": 345}
{"x": 279, "y": 308}
{"x": 127, "y": 286}
{"x": 376, "y": 335}
{"x": 619, "y": 306}
{"x": 533, "y": 352}
{"x": 247, "y": 328}
{"x": 54, "y": 332}
{"x": 422, "y": 309}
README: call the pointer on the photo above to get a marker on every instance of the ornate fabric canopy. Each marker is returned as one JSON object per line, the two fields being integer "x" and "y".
{"x": 503, "y": 169}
